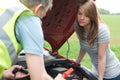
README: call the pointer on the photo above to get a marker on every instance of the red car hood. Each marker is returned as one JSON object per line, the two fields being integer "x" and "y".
{"x": 58, "y": 23}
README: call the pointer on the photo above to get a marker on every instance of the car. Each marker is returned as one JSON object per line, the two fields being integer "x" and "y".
{"x": 57, "y": 28}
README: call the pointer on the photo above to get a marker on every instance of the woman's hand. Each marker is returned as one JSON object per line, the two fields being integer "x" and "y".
{"x": 9, "y": 73}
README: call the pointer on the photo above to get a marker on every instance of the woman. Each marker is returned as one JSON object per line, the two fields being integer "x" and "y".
{"x": 21, "y": 29}
{"x": 94, "y": 39}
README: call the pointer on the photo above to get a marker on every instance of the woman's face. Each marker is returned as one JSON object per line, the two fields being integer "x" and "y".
{"x": 83, "y": 20}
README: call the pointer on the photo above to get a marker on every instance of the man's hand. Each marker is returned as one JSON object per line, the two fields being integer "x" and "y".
{"x": 59, "y": 77}
{"x": 10, "y": 75}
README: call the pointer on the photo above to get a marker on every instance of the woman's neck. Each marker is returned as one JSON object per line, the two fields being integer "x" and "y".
{"x": 87, "y": 28}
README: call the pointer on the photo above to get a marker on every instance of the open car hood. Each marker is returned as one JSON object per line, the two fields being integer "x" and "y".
{"x": 57, "y": 28}
{"x": 58, "y": 23}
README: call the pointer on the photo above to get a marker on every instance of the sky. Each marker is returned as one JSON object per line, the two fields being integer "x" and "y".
{"x": 112, "y": 5}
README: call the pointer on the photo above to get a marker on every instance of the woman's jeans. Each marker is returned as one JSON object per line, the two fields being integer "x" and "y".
{"x": 116, "y": 78}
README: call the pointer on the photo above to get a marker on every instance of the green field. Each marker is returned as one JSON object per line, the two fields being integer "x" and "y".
{"x": 113, "y": 22}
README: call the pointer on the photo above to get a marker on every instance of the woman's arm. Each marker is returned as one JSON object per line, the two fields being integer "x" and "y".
{"x": 102, "y": 59}
{"x": 81, "y": 55}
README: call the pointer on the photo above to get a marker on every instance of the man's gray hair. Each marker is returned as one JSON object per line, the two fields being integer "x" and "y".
{"x": 31, "y": 3}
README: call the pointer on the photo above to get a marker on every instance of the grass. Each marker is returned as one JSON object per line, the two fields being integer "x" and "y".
{"x": 113, "y": 22}
{"x": 74, "y": 51}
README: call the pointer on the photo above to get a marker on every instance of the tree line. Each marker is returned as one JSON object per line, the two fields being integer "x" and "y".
{"x": 107, "y": 12}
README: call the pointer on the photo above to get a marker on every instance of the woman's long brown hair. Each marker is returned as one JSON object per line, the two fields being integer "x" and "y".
{"x": 90, "y": 10}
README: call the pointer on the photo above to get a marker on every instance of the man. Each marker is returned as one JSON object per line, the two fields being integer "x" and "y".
{"x": 20, "y": 28}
